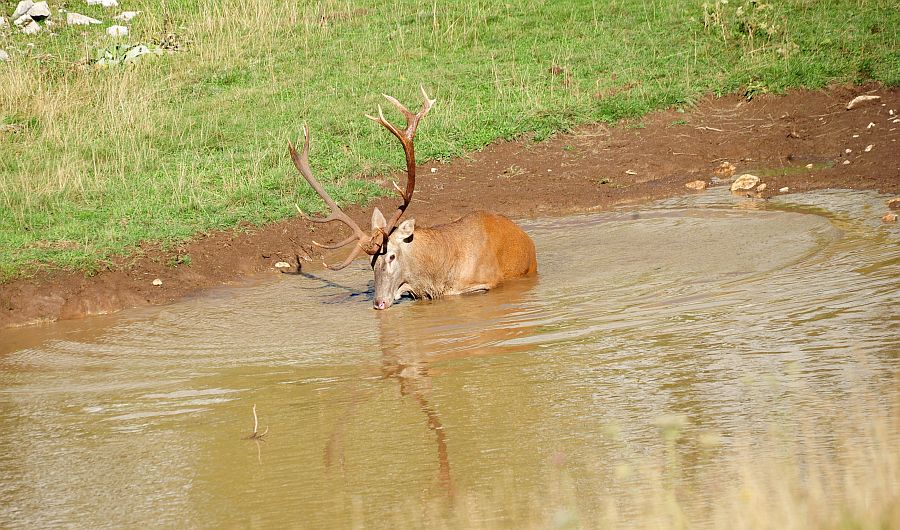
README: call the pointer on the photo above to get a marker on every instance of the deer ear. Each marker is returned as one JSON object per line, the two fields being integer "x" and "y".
{"x": 405, "y": 229}
{"x": 378, "y": 221}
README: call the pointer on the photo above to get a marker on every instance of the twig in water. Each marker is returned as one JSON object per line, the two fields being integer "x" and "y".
{"x": 256, "y": 435}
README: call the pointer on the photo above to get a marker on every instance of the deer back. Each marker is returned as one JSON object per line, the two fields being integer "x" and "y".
{"x": 475, "y": 252}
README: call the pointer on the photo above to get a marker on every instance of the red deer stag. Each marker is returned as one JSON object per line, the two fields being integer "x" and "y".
{"x": 474, "y": 253}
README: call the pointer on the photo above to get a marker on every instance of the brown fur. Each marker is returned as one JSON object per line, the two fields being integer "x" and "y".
{"x": 476, "y": 252}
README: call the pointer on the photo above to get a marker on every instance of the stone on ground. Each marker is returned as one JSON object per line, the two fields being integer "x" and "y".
{"x": 77, "y": 19}
{"x": 745, "y": 182}
{"x": 39, "y": 11}
{"x": 698, "y": 185}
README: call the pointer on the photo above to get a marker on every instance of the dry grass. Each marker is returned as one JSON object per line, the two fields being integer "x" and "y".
{"x": 750, "y": 482}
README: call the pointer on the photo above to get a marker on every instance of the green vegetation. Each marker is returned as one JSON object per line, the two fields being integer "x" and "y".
{"x": 102, "y": 158}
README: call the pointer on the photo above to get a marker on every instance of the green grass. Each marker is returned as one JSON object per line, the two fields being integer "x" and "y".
{"x": 195, "y": 140}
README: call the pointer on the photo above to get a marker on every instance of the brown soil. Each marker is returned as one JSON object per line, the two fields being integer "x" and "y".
{"x": 595, "y": 167}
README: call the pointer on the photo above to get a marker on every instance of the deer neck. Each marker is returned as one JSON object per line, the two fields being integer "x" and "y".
{"x": 428, "y": 266}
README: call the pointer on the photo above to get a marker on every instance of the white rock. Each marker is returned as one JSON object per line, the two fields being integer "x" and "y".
{"x": 22, "y": 20}
{"x": 784, "y": 189}
{"x": 136, "y": 52}
{"x": 4, "y": 56}
{"x": 869, "y": 147}
{"x": 434, "y": 170}
{"x": 77, "y": 19}
{"x": 39, "y": 11}
{"x": 157, "y": 282}
{"x": 31, "y": 28}
{"x": 117, "y": 31}
{"x": 282, "y": 265}
{"x": 846, "y": 162}
{"x": 3, "y": 22}
{"x": 809, "y": 166}
{"x": 126, "y": 16}
{"x": 21, "y": 9}
{"x": 745, "y": 182}
{"x": 761, "y": 187}
{"x": 870, "y": 125}
{"x": 848, "y": 151}
{"x": 104, "y": 3}
{"x": 859, "y": 100}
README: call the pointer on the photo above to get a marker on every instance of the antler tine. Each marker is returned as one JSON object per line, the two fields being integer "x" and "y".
{"x": 344, "y": 243}
{"x": 356, "y": 250}
{"x": 364, "y": 240}
{"x": 406, "y": 137}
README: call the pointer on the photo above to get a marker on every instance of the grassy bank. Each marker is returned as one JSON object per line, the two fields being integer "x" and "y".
{"x": 103, "y": 158}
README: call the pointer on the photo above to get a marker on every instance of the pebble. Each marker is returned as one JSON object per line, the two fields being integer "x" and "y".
{"x": 869, "y": 147}
{"x": 282, "y": 265}
{"x": 157, "y": 282}
{"x": 745, "y": 182}
{"x": 889, "y": 218}
{"x": 846, "y": 162}
{"x": 870, "y": 125}
{"x": 848, "y": 151}
{"x": 761, "y": 187}
{"x": 698, "y": 185}
{"x": 809, "y": 166}
{"x": 434, "y": 170}
{"x": 894, "y": 204}
{"x": 3, "y": 56}
{"x": 784, "y": 189}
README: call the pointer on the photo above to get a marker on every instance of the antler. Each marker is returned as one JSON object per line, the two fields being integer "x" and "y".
{"x": 406, "y": 138}
{"x": 368, "y": 243}
{"x": 364, "y": 240}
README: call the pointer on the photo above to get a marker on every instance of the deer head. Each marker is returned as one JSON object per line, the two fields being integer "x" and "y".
{"x": 389, "y": 264}
{"x": 378, "y": 242}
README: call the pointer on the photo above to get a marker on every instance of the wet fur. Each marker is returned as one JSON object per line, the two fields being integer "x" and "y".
{"x": 476, "y": 252}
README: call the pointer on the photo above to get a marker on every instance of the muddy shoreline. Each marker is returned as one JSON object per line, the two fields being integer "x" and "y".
{"x": 804, "y": 140}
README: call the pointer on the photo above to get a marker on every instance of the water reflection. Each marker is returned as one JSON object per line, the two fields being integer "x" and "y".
{"x": 413, "y": 338}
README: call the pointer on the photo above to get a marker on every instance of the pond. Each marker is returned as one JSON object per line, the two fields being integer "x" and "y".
{"x": 662, "y": 353}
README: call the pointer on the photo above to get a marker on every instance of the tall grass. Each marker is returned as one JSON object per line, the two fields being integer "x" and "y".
{"x": 195, "y": 140}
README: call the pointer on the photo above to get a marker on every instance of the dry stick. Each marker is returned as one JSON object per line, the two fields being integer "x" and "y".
{"x": 256, "y": 435}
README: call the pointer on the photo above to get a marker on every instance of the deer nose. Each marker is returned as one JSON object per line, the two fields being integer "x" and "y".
{"x": 380, "y": 304}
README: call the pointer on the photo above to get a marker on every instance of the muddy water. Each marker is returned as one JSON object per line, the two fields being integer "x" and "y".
{"x": 713, "y": 314}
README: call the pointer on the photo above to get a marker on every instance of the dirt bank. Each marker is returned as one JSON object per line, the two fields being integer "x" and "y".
{"x": 594, "y": 168}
